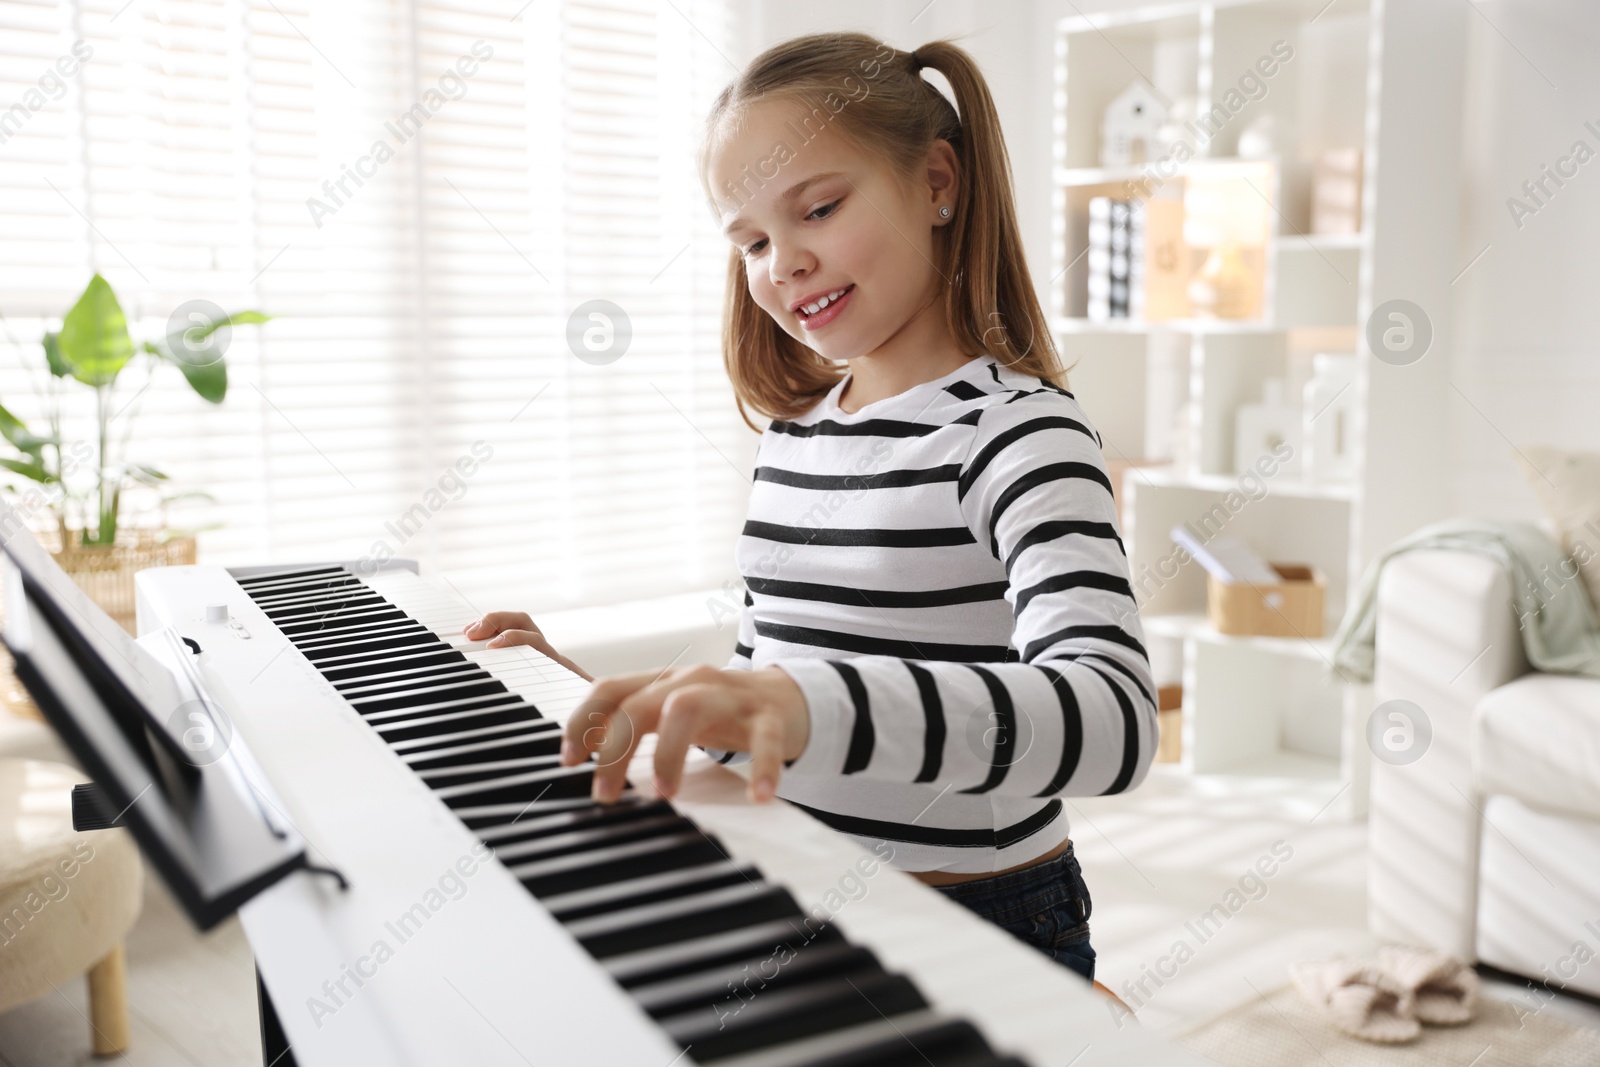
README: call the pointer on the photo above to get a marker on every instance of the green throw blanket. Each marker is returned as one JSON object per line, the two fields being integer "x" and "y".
{"x": 1558, "y": 624}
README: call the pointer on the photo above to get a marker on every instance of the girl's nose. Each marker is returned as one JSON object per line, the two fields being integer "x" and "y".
{"x": 789, "y": 262}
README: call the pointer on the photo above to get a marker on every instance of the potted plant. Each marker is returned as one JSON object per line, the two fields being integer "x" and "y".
{"x": 81, "y": 485}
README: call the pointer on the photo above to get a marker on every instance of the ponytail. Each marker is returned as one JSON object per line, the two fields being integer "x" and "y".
{"x": 990, "y": 305}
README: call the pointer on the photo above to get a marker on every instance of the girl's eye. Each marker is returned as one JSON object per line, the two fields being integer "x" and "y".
{"x": 823, "y": 212}
{"x": 829, "y": 208}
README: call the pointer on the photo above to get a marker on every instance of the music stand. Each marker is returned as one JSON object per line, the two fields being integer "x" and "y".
{"x": 205, "y": 820}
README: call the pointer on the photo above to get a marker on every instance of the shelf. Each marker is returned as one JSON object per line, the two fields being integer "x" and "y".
{"x": 1321, "y": 242}
{"x": 1197, "y": 627}
{"x": 1282, "y": 764}
{"x": 1257, "y": 710}
{"x": 1171, "y": 478}
{"x": 1067, "y": 324}
{"x": 1232, "y": 166}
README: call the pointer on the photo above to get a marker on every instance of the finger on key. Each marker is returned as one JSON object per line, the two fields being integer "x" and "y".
{"x": 682, "y": 715}
{"x": 766, "y": 755}
{"x": 586, "y": 726}
{"x": 623, "y": 732}
{"x": 496, "y": 621}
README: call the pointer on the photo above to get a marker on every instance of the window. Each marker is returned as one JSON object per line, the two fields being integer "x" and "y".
{"x": 421, "y": 194}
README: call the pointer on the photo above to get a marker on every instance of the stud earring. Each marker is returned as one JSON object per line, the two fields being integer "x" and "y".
{"x": 944, "y": 212}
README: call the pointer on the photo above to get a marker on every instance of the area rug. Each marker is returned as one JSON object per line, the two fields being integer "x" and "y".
{"x": 1279, "y": 1029}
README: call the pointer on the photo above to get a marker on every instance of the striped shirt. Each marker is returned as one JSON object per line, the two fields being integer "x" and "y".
{"x": 942, "y": 574}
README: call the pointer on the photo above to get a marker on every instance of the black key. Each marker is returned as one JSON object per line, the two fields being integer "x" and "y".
{"x": 258, "y": 582}
{"x": 524, "y": 825}
{"x": 683, "y": 918}
{"x": 324, "y": 609}
{"x": 556, "y": 782}
{"x": 331, "y": 615}
{"x": 426, "y": 646}
{"x": 300, "y": 631}
{"x": 492, "y": 815}
{"x": 398, "y": 628}
{"x": 364, "y": 648}
{"x": 540, "y": 742}
{"x": 786, "y": 1014}
{"x": 434, "y": 707}
{"x": 336, "y": 630}
{"x": 448, "y": 742}
{"x": 650, "y": 888}
{"x": 567, "y": 874}
{"x": 316, "y": 598}
{"x": 402, "y": 674}
{"x": 455, "y": 672}
{"x": 724, "y": 988}
{"x": 386, "y": 663}
{"x": 427, "y": 693}
{"x": 658, "y": 964}
{"x": 512, "y": 712}
{"x": 480, "y": 772}
{"x": 590, "y": 836}
{"x": 291, "y": 592}
{"x": 916, "y": 1039}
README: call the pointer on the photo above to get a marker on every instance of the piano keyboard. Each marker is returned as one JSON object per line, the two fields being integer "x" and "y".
{"x": 654, "y": 899}
{"x": 700, "y": 912}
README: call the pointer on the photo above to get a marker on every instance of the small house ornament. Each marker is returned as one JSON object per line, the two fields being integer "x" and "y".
{"x": 1130, "y": 132}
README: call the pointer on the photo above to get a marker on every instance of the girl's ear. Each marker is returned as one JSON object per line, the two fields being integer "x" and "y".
{"x": 944, "y": 180}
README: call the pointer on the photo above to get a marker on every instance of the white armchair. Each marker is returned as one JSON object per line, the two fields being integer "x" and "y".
{"x": 1488, "y": 845}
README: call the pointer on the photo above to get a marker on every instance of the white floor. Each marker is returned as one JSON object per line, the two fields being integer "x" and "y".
{"x": 1156, "y": 861}
{"x": 1161, "y": 857}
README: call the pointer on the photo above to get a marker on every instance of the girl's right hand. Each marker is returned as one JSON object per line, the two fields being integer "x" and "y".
{"x": 502, "y": 629}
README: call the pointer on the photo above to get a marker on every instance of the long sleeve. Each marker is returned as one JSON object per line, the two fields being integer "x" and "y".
{"x": 1072, "y": 712}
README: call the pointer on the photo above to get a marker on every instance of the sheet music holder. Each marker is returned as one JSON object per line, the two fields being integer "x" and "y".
{"x": 202, "y": 813}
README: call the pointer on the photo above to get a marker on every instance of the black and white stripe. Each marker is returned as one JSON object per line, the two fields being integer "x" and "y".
{"x": 943, "y": 575}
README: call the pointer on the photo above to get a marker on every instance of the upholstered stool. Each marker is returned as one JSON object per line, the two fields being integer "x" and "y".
{"x": 66, "y": 899}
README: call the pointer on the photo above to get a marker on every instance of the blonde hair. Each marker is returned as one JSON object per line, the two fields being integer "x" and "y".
{"x": 989, "y": 303}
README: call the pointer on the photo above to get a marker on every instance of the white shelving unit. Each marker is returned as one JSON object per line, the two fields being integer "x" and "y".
{"x": 1364, "y": 74}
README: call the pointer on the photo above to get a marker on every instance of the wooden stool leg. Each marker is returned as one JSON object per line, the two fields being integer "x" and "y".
{"x": 108, "y": 1004}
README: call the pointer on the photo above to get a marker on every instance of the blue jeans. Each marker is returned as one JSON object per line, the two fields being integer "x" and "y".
{"x": 1046, "y": 905}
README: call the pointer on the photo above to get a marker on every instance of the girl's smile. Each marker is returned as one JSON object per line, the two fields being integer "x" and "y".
{"x": 817, "y": 312}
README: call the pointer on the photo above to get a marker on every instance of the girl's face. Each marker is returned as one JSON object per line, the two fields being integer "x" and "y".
{"x": 815, "y": 218}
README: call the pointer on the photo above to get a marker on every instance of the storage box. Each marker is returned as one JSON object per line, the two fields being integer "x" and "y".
{"x": 1291, "y": 608}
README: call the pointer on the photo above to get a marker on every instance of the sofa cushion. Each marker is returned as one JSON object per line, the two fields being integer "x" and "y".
{"x": 1538, "y": 739}
{"x": 1567, "y": 483}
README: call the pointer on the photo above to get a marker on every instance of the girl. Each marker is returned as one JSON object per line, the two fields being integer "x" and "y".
{"x": 939, "y": 640}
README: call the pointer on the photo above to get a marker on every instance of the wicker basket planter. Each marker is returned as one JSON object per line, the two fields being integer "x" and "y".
{"x": 106, "y": 572}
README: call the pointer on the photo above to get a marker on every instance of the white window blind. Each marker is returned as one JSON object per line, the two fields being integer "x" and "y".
{"x": 421, "y": 193}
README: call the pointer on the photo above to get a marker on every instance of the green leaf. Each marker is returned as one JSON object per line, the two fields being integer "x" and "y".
{"x": 238, "y": 318}
{"x": 94, "y": 341}
{"x": 210, "y": 380}
{"x": 188, "y": 494}
{"x": 27, "y": 470}
{"x": 22, "y": 438}
{"x": 52, "y": 355}
{"x": 144, "y": 474}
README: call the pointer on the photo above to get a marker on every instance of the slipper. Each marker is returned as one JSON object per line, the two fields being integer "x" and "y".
{"x": 1359, "y": 998}
{"x": 1443, "y": 987}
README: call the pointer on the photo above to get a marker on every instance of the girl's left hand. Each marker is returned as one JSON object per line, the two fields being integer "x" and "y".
{"x": 762, "y": 712}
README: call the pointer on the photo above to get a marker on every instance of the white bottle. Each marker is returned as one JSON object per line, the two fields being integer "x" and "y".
{"x": 1329, "y": 408}
{"x": 1262, "y": 429}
